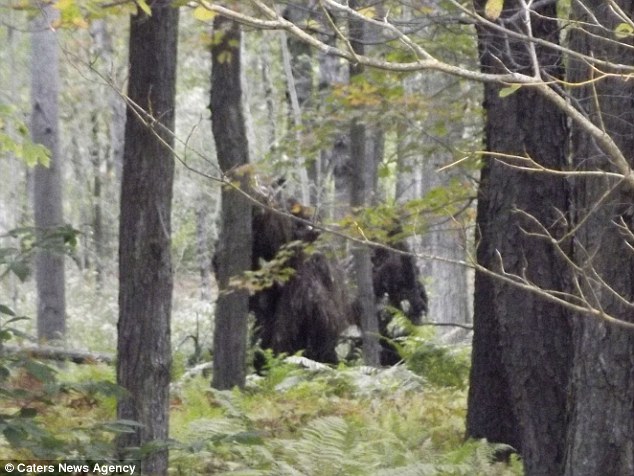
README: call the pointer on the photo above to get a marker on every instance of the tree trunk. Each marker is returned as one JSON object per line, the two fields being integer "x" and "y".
{"x": 363, "y": 165}
{"x": 47, "y": 181}
{"x": 234, "y": 248}
{"x": 521, "y": 348}
{"x": 601, "y": 429}
{"x": 265, "y": 67}
{"x": 203, "y": 246}
{"x": 145, "y": 269}
{"x": 298, "y": 69}
{"x": 99, "y": 151}
{"x": 333, "y": 160}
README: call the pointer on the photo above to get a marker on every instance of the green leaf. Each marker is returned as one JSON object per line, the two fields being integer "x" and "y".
{"x": 34, "y": 154}
{"x": 16, "y": 319}
{"x": 623, "y": 30}
{"x": 28, "y": 412}
{"x": 40, "y": 371}
{"x": 5, "y": 373}
{"x": 203, "y": 14}
{"x": 14, "y": 435}
{"x": 509, "y": 90}
{"x": 6, "y": 310}
{"x": 493, "y": 9}
{"x": 20, "y": 269}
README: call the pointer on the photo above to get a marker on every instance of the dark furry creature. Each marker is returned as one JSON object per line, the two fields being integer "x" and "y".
{"x": 396, "y": 276}
{"x": 308, "y": 311}
{"x": 396, "y": 280}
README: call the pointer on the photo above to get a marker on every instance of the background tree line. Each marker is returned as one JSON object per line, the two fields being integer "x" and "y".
{"x": 553, "y": 227}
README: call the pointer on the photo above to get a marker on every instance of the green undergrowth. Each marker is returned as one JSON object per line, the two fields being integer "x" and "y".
{"x": 322, "y": 421}
{"x": 57, "y": 412}
{"x": 303, "y": 418}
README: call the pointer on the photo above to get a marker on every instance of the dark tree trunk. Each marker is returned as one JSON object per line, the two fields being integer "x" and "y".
{"x": 601, "y": 429}
{"x": 234, "y": 247}
{"x": 490, "y": 412}
{"x": 145, "y": 269}
{"x": 363, "y": 168}
{"x": 521, "y": 349}
{"x": 47, "y": 181}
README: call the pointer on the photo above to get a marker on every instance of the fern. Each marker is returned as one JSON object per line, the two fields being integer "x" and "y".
{"x": 346, "y": 421}
{"x": 426, "y": 469}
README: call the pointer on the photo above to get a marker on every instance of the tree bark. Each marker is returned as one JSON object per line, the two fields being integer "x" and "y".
{"x": 297, "y": 63}
{"x": 601, "y": 429}
{"x": 363, "y": 165}
{"x": 145, "y": 269}
{"x": 521, "y": 348}
{"x": 47, "y": 181}
{"x": 99, "y": 155}
{"x": 234, "y": 248}
{"x": 203, "y": 246}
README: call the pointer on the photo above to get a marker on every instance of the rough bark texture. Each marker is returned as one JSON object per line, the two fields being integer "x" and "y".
{"x": 490, "y": 412}
{"x": 234, "y": 247}
{"x": 601, "y": 429}
{"x": 363, "y": 168}
{"x": 522, "y": 350}
{"x": 145, "y": 270}
{"x": 47, "y": 181}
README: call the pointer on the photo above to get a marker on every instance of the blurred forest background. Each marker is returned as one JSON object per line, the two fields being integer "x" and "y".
{"x": 231, "y": 219}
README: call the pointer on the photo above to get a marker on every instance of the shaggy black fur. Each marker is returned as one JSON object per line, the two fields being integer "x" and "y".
{"x": 307, "y": 312}
{"x": 396, "y": 280}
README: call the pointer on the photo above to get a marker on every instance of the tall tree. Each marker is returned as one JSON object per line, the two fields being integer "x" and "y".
{"x": 47, "y": 181}
{"x": 234, "y": 248}
{"x": 145, "y": 269}
{"x": 521, "y": 346}
{"x": 100, "y": 151}
{"x": 297, "y": 57}
{"x": 601, "y": 428}
{"x": 363, "y": 165}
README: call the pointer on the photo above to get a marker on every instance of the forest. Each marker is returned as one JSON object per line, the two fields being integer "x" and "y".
{"x": 317, "y": 237}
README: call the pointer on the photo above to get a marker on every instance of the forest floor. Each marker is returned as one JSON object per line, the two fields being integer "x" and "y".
{"x": 301, "y": 418}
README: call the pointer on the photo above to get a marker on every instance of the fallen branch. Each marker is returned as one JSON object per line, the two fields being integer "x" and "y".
{"x": 56, "y": 353}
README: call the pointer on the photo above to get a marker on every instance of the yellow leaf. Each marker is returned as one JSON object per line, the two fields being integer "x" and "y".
{"x": 62, "y": 5}
{"x": 508, "y": 90}
{"x": 623, "y": 30}
{"x": 224, "y": 57}
{"x": 203, "y": 14}
{"x": 369, "y": 12}
{"x": 493, "y": 9}
{"x": 142, "y": 4}
{"x": 80, "y": 22}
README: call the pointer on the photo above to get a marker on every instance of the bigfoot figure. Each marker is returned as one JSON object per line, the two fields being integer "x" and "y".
{"x": 396, "y": 278}
{"x": 309, "y": 310}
